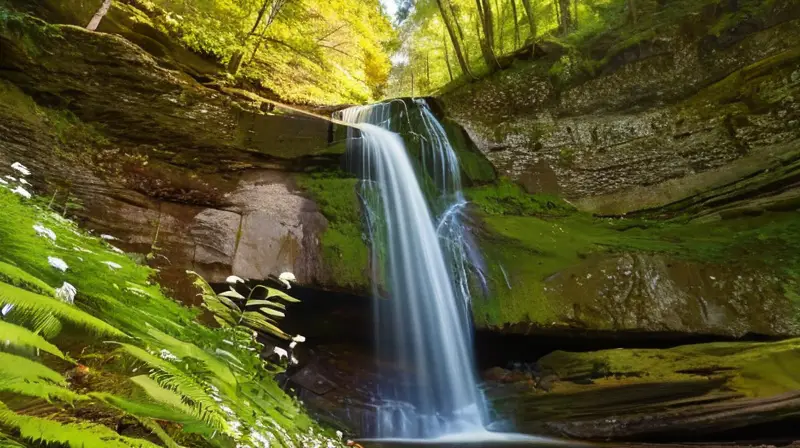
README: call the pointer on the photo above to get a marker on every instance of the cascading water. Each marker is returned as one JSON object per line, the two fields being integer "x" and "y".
{"x": 426, "y": 316}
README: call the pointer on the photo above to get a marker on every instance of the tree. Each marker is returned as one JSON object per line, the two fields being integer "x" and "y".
{"x": 448, "y": 23}
{"x": 531, "y": 19}
{"x": 516, "y": 22}
{"x": 447, "y": 56}
{"x": 98, "y": 16}
{"x": 486, "y": 24}
{"x": 565, "y": 16}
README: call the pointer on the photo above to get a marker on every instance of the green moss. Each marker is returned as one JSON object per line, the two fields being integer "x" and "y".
{"x": 753, "y": 369}
{"x": 508, "y": 198}
{"x": 522, "y": 252}
{"x": 344, "y": 251}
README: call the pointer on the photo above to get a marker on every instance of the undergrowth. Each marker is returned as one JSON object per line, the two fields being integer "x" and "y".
{"x": 97, "y": 355}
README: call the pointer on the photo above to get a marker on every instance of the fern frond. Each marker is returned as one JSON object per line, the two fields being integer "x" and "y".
{"x": 37, "y": 305}
{"x": 15, "y": 276}
{"x": 272, "y": 312}
{"x": 183, "y": 349}
{"x": 191, "y": 392}
{"x": 85, "y": 435}
{"x": 168, "y": 396}
{"x": 24, "y": 368}
{"x": 21, "y": 336}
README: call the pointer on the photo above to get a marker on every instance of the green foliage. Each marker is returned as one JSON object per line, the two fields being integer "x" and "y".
{"x": 233, "y": 310}
{"x": 314, "y": 51}
{"x": 39, "y": 308}
{"x": 85, "y": 435}
{"x": 21, "y": 336}
{"x": 225, "y": 391}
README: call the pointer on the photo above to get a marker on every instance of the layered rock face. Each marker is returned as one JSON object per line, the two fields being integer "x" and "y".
{"x": 196, "y": 178}
{"x": 681, "y": 108}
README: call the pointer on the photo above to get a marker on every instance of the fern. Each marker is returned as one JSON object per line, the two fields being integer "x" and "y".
{"x": 25, "y": 377}
{"x": 82, "y": 435}
{"x": 39, "y": 307}
{"x": 183, "y": 349}
{"x": 191, "y": 392}
{"x": 17, "y": 277}
{"x": 20, "y": 336}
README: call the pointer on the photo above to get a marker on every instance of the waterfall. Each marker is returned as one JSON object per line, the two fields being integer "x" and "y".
{"x": 423, "y": 261}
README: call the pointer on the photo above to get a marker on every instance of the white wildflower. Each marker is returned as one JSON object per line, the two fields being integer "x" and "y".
{"x": 167, "y": 355}
{"x": 712, "y": 277}
{"x": 299, "y": 338}
{"x": 22, "y": 192}
{"x": 44, "y": 231}
{"x": 258, "y": 438}
{"x": 232, "y": 280}
{"x": 80, "y": 249}
{"x": 280, "y": 352}
{"x": 11, "y": 178}
{"x": 57, "y": 263}
{"x": 226, "y": 409}
{"x": 112, "y": 265}
{"x": 22, "y": 169}
{"x": 339, "y": 434}
{"x": 294, "y": 361}
{"x": 293, "y": 344}
{"x": 66, "y": 293}
{"x": 227, "y": 342}
{"x": 108, "y": 237}
{"x": 6, "y": 309}
{"x": 24, "y": 182}
{"x": 3, "y": 181}
{"x": 116, "y": 249}
{"x": 286, "y": 278}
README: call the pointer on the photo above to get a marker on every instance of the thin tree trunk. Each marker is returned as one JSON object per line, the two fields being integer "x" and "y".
{"x": 487, "y": 43}
{"x": 632, "y": 9}
{"x": 531, "y": 19}
{"x": 516, "y": 23}
{"x": 462, "y": 62}
{"x": 500, "y": 28}
{"x": 412, "y": 80}
{"x": 428, "y": 68}
{"x": 566, "y": 16}
{"x": 98, "y": 16}
{"x": 260, "y": 16}
{"x": 447, "y": 55}
{"x": 460, "y": 30}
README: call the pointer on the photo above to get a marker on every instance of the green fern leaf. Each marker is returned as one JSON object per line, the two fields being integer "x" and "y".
{"x": 272, "y": 312}
{"x": 76, "y": 435}
{"x": 20, "y": 336}
{"x": 37, "y": 305}
{"x": 272, "y": 292}
{"x": 25, "y": 377}
{"x": 183, "y": 349}
{"x": 173, "y": 378}
{"x": 17, "y": 277}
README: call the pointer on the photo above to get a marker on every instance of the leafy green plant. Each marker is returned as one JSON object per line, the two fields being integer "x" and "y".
{"x": 231, "y": 309}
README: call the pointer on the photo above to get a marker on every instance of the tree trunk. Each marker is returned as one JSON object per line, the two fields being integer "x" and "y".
{"x": 235, "y": 62}
{"x": 460, "y": 30}
{"x": 462, "y": 62}
{"x": 566, "y": 16}
{"x": 487, "y": 42}
{"x": 260, "y": 16}
{"x": 531, "y": 19}
{"x": 516, "y": 23}
{"x": 500, "y": 28}
{"x": 428, "y": 68}
{"x": 447, "y": 56}
{"x": 98, "y": 16}
{"x": 632, "y": 10}
{"x": 412, "y": 79}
